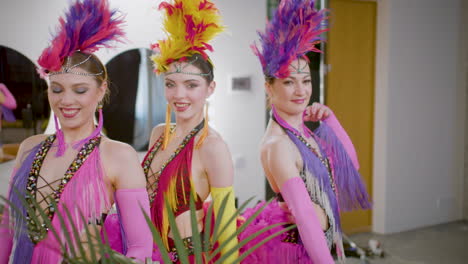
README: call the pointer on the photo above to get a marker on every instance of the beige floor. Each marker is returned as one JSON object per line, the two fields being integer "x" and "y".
{"x": 442, "y": 244}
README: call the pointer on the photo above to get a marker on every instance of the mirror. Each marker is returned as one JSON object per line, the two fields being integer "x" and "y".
{"x": 137, "y": 101}
{"x": 19, "y": 75}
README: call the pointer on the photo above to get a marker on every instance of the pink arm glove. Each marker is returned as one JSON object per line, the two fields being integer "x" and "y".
{"x": 10, "y": 101}
{"x": 335, "y": 125}
{"x": 296, "y": 197}
{"x": 6, "y": 237}
{"x": 138, "y": 238}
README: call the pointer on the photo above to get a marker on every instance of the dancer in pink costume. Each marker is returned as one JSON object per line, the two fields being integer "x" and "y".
{"x": 315, "y": 174}
{"x": 8, "y": 103}
{"x": 77, "y": 167}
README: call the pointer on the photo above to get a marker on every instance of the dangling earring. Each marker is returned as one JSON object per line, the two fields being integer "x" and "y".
{"x": 205, "y": 128}
{"x": 60, "y": 139}
{"x": 100, "y": 121}
{"x": 167, "y": 127}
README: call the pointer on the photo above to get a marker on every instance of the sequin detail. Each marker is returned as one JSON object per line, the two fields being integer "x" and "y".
{"x": 37, "y": 231}
{"x": 153, "y": 190}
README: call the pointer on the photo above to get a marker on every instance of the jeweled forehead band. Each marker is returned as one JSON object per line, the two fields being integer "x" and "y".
{"x": 68, "y": 68}
{"x": 298, "y": 69}
{"x": 180, "y": 68}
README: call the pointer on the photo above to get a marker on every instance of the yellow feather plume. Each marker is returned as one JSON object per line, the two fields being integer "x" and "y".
{"x": 190, "y": 25}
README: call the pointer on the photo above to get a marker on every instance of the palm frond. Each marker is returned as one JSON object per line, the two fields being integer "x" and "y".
{"x": 83, "y": 247}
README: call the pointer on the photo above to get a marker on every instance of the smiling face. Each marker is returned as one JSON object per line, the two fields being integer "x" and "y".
{"x": 74, "y": 98}
{"x": 187, "y": 93}
{"x": 292, "y": 94}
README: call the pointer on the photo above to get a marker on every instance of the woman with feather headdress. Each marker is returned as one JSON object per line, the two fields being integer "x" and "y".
{"x": 76, "y": 172}
{"x": 188, "y": 158}
{"x": 314, "y": 174}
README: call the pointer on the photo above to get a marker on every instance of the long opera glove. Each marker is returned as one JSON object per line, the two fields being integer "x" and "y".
{"x": 218, "y": 194}
{"x": 335, "y": 125}
{"x": 137, "y": 238}
{"x": 296, "y": 197}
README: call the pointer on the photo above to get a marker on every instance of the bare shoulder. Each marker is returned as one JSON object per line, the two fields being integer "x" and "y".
{"x": 213, "y": 144}
{"x": 275, "y": 139}
{"x": 116, "y": 151}
{"x": 27, "y": 145}
{"x": 156, "y": 133}
{"x": 121, "y": 164}
{"x": 217, "y": 160}
{"x": 32, "y": 141}
{"x": 275, "y": 145}
{"x": 280, "y": 159}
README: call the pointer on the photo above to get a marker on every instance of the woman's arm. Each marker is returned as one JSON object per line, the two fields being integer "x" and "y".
{"x": 319, "y": 112}
{"x": 280, "y": 159}
{"x": 351, "y": 189}
{"x": 6, "y": 229}
{"x": 131, "y": 198}
{"x": 217, "y": 162}
{"x": 8, "y": 99}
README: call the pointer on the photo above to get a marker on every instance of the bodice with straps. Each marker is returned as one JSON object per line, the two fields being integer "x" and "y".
{"x": 37, "y": 231}
{"x": 183, "y": 187}
{"x": 321, "y": 155}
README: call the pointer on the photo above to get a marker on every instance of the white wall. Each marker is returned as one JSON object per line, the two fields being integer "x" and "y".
{"x": 464, "y": 87}
{"x": 418, "y": 150}
{"x": 25, "y": 27}
{"x": 240, "y": 117}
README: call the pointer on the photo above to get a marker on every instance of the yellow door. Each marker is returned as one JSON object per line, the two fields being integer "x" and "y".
{"x": 350, "y": 86}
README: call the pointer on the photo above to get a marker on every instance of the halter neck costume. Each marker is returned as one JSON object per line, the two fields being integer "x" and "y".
{"x": 332, "y": 182}
{"x": 171, "y": 182}
{"x": 81, "y": 190}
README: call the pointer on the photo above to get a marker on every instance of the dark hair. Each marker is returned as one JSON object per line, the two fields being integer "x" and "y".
{"x": 204, "y": 65}
{"x": 93, "y": 66}
{"x": 270, "y": 79}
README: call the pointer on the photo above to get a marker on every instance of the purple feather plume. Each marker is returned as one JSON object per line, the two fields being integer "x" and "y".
{"x": 88, "y": 26}
{"x": 293, "y": 31}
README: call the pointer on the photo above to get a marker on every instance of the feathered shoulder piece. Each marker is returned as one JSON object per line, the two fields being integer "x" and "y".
{"x": 189, "y": 26}
{"x": 293, "y": 31}
{"x": 87, "y": 26}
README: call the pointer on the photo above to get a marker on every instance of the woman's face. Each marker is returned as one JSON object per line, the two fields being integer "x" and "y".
{"x": 291, "y": 95}
{"x": 74, "y": 98}
{"x": 187, "y": 93}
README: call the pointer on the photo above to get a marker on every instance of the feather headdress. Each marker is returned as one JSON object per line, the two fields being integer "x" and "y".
{"x": 87, "y": 26}
{"x": 292, "y": 32}
{"x": 190, "y": 25}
